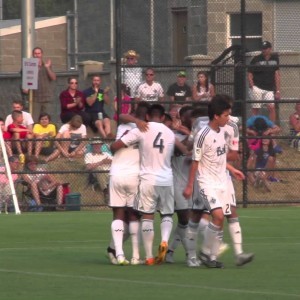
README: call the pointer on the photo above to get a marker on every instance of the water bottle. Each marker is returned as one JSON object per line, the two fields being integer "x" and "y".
{"x": 22, "y": 158}
{"x": 100, "y": 116}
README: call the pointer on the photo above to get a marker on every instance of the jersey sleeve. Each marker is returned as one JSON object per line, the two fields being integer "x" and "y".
{"x": 233, "y": 141}
{"x": 132, "y": 137}
{"x": 199, "y": 146}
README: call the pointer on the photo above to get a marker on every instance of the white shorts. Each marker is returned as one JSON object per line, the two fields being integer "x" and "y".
{"x": 258, "y": 94}
{"x": 152, "y": 198}
{"x": 230, "y": 192}
{"x": 122, "y": 190}
{"x": 181, "y": 203}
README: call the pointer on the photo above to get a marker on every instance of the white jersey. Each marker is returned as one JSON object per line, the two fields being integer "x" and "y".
{"x": 156, "y": 148}
{"x": 27, "y": 119}
{"x": 199, "y": 123}
{"x": 210, "y": 151}
{"x": 126, "y": 161}
{"x": 149, "y": 93}
{"x": 232, "y": 136}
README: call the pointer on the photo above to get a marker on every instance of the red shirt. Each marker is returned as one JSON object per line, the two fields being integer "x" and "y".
{"x": 22, "y": 134}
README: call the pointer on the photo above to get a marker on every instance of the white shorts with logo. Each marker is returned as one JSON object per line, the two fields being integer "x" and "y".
{"x": 152, "y": 198}
{"x": 258, "y": 94}
{"x": 122, "y": 190}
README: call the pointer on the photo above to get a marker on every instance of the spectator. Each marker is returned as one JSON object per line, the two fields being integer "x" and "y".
{"x": 44, "y": 130}
{"x": 150, "y": 90}
{"x": 18, "y": 131}
{"x": 5, "y": 191}
{"x": 72, "y": 103}
{"x": 42, "y": 184}
{"x": 264, "y": 80}
{"x": 43, "y": 95}
{"x": 131, "y": 75}
{"x": 97, "y": 160}
{"x": 74, "y": 130}
{"x": 6, "y": 137}
{"x": 295, "y": 126}
{"x": 180, "y": 91}
{"x": 125, "y": 107}
{"x": 27, "y": 118}
{"x": 94, "y": 107}
{"x": 203, "y": 90}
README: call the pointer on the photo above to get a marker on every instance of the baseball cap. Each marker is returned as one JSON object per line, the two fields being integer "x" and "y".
{"x": 266, "y": 45}
{"x": 181, "y": 74}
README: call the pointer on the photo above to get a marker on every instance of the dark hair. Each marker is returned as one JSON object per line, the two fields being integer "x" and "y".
{"x": 168, "y": 117}
{"x": 199, "y": 112}
{"x": 184, "y": 109}
{"x": 37, "y": 48}
{"x": 217, "y": 106}
{"x": 142, "y": 110}
{"x": 156, "y": 110}
{"x": 42, "y": 115}
{"x": 1, "y": 119}
{"x": 18, "y": 102}
{"x": 149, "y": 69}
{"x": 206, "y": 82}
{"x": 72, "y": 77}
{"x": 260, "y": 125}
{"x": 76, "y": 121}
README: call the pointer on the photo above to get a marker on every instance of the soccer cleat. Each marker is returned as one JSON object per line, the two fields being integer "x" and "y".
{"x": 206, "y": 261}
{"x": 111, "y": 254}
{"x": 150, "y": 261}
{"x": 136, "y": 261}
{"x": 122, "y": 261}
{"x": 169, "y": 257}
{"x": 223, "y": 248}
{"x": 193, "y": 262}
{"x": 162, "y": 251}
{"x": 243, "y": 259}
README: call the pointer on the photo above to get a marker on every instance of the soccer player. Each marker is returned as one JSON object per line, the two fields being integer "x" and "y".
{"x": 209, "y": 163}
{"x": 156, "y": 147}
{"x": 123, "y": 186}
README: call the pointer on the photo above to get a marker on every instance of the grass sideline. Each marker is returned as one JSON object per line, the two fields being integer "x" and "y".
{"x": 62, "y": 256}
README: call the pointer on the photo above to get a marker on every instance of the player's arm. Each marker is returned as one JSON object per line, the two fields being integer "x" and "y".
{"x": 187, "y": 193}
{"x": 181, "y": 147}
{"x": 117, "y": 145}
{"x": 140, "y": 124}
{"x": 237, "y": 174}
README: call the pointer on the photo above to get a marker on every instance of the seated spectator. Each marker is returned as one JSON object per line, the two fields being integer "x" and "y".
{"x": 98, "y": 160}
{"x": 72, "y": 103}
{"x": 74, "y": 130}
{"x": 27, "y": 118}
{"x": 295, "y": 127}
{"x": 203, "y": 90}
{"x": 96, "y": 97}
{"x": 44, "y": 130}
{"x": 5, "y": 190}
{"x": 41, "y": 184}
{"x": 20, "y": 132}
{"x": 258, "y": 126}
{"x": 179, "y": 91}
{"x": 7, "y": 138}
{"x": 125, "y": 107}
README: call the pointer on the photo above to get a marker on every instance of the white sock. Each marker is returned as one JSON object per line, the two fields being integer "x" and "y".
{"x": 176, "y": 239}
{"x": 166, "y": 226}
{"x": 212, "y": 240}
{"x": 201, "y": 228}
{"x": 190, "y": 240}
{"x": 235, "y": 232}
{"x": 117, "y": 231}
{"x": 182, "y": 232}
{"x": 148, "y": 236}
{"x": 134, "y": 228}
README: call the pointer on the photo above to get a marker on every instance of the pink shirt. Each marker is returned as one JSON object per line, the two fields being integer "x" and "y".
{"x": 124, "y": 106}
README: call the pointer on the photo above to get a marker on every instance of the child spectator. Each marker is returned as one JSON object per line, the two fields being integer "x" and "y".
{"x": 19, "y": 131}
{"x": 7, "y": 138}
{"x": 125, "y": 107}
{"x": 44, "y": 130}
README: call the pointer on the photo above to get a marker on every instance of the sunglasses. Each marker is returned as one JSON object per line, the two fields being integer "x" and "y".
{"x": 73, "y": 82}
{"x": 130, "y": 58}
{"x": 150, "y": 74}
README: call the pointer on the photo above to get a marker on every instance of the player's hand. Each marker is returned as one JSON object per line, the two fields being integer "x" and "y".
{"x": 48, "y": 63}
{"x": 237, "y": 174}
{"x": 187, "y": 193}
{"x": 142, "y": 125}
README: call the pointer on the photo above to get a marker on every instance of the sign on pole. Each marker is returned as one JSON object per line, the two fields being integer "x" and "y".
{"x": 30, "y": 71}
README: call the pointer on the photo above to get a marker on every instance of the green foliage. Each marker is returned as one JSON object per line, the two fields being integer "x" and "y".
{"x": 43, "y": 8}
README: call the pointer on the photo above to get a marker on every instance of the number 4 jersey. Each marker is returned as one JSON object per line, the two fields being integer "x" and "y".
{"x": 156, "y": 147}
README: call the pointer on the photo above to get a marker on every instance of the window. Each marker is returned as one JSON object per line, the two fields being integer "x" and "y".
{"x": 253, "y": 30}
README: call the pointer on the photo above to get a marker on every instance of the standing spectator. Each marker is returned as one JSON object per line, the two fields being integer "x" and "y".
{"x": 74, "y": 130}
{"x": 27, "y": 118}
{"x": 150, "y": 90}
{"x": 295, "y": 127}
{"x": 7, "y": 138}
{"x": 43, "y": 95}
{"x": 18, "y": 131}
{"x": 131, "y": 75}
{"x": 264, "y": 80}
{"x": 72, "y": 103}
{"x": 180, "y": 91}
{"x": 96, "y": 97}
{"x": 203, "y": 90}
{"x": 44, "y": 130}
{"x": 125, "y": 107}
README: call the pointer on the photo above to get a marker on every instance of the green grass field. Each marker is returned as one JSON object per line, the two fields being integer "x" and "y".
{"x": 62, "y": 256}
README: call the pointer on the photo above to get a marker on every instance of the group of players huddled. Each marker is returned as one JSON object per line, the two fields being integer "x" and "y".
{"x": 187, "y": 171}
